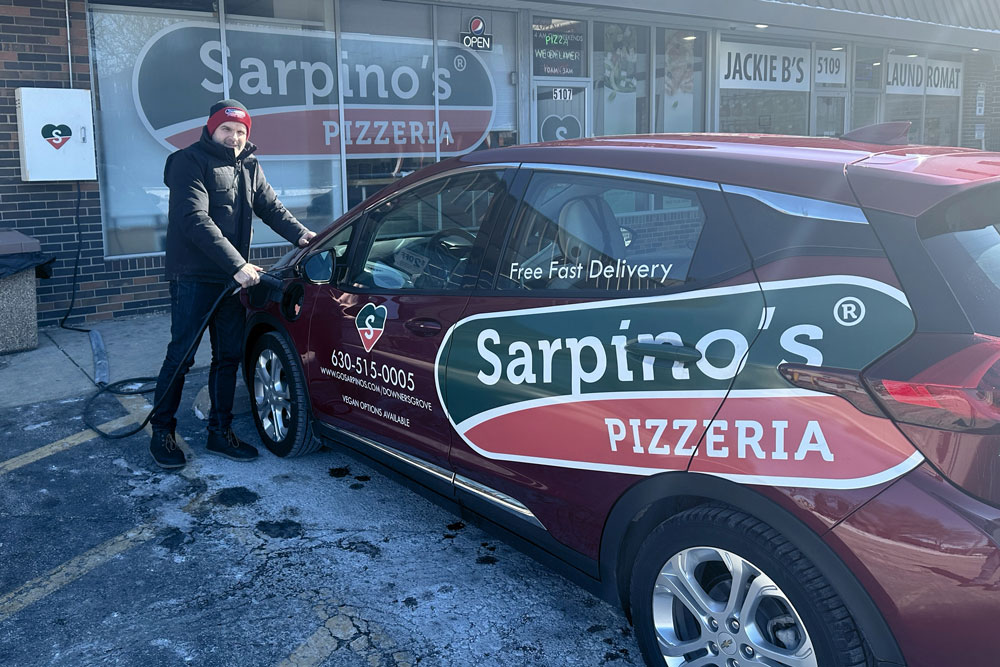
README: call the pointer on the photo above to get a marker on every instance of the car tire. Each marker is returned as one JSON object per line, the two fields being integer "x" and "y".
{"x": 279, "y": 399}
{"x": 786, "y": 613}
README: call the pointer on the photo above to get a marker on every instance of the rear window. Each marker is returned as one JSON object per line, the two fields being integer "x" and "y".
{"x": 969, "y": 260}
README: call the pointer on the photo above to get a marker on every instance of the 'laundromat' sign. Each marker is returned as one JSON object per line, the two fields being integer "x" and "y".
{"x": 289, "y": 81}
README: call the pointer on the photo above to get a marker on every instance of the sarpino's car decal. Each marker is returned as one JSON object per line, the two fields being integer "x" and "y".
{"x": 560, "y": 385}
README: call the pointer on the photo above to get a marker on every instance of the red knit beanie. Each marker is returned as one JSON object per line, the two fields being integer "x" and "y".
{"x": 225, "y": 111}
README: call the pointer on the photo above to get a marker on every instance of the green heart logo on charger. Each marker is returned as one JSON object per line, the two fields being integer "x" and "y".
{"x": 56, "y": 135}
{"x": 370, "y": 323}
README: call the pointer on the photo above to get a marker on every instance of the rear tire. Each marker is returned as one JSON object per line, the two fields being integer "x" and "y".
{"x": 280, "y": 399}
{"x": 782, "y": 610}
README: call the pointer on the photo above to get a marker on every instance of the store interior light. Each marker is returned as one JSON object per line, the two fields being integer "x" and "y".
{"x": 911, "y": 55}
{"x": 837, "y": 48}
{"x": 760, "y": 25}
{"x": 876, "y": 64}
{"x": 690, "y": 37}
{"x": 974, "y": 49}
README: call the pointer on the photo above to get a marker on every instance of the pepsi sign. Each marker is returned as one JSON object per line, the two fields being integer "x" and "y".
{"x": 477, "y": 39}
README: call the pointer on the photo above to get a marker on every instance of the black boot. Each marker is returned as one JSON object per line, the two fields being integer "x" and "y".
{"x": 166, "y": 453}
{"x": 228, "y": 445}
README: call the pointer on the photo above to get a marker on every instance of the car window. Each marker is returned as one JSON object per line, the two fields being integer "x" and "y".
{"x": 969, "y": 260}
{"x": 423, "y": 239}
{"x": 584, "y": 232}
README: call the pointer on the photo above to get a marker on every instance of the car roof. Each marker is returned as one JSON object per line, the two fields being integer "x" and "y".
{"x": 901, "y": 179}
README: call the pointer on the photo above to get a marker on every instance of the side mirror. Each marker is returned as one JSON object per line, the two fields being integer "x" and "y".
{"x": 319, "y": 267}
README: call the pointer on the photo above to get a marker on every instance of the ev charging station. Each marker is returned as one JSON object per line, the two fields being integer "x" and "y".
{"x": 55, "y": 129}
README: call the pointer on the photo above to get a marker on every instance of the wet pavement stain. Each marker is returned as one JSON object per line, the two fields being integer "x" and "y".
{"x": 174, "y": 539}
{"x": 235, "y": 496}
{"x": 362, "y": 478}
{"x": 458, "y": 525}
{"x": 340, "y": 472}
{"x": 281, "y": 529}
{"x": 356, "y": 486}
{"x": 359, "y": 546}
{"x": 486, "y": 560}
{"x": 411, "y": 602}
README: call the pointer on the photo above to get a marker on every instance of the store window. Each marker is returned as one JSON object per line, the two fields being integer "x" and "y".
{"x": 942, "y": 109}
{"x": 138, "y": 126}
{"x": 764, "y": 87}
{"x": 280, "y": 56}
{"x": 621, "y": 79}
{"x": 904, "y": 87}
{"x": 680, "y": 81}
{"x": 924, "y": 89}
{"x": 558, "y": 47}
{"x": 869, "y": 65}
{"x": 389, "y": 128}
{"x": 157, "y": 73}
{"x": 481, "y": 113}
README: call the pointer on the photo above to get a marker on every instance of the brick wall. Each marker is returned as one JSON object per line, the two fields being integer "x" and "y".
{"x": 33, "y": 53}
{"x": 981, "y": 69}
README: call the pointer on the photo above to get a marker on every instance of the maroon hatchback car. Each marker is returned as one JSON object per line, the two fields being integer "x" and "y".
{"x": 748, "y": 387}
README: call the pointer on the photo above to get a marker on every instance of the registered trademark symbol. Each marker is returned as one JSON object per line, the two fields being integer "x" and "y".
{"x": 460, "y": 63}
{"x": 849, "y": 311}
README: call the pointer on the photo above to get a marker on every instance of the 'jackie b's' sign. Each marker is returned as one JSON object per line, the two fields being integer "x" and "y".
{"x": 764, "y": 67}
{"x": 289, "y": 81}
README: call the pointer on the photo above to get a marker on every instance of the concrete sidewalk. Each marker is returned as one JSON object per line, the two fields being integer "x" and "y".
{"x": 62, "y": 366}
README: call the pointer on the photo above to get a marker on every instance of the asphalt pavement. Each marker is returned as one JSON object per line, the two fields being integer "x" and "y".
{"x": 322, "y": 560}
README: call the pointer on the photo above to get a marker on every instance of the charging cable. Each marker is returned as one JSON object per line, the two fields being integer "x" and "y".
{"x": 119, "y": 387}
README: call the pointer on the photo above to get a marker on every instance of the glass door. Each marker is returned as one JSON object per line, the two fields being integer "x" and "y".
{"x": 561, "y": 109}
{"x": 830, "y": 114}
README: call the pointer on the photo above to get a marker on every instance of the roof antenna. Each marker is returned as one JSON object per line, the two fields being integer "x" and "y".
{"x": 890, "y": 134}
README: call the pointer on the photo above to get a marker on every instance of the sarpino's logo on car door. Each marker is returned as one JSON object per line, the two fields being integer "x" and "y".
{"x": 289, "y": 81}
{"x": 561, "y": 386}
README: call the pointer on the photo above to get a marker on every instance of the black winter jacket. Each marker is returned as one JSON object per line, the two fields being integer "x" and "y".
{"x": 208, "y": 229}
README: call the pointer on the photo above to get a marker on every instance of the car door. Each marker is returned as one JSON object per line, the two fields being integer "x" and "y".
{"x": 620, "y": 311}
{"x": 376, "y": 329}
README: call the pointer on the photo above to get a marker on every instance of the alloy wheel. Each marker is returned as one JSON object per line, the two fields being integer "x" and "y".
{"x": 272, "y": 396}
{"x": 712, "y": 607}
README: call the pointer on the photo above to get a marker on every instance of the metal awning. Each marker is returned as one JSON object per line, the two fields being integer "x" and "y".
{"x": 977, "y": 14}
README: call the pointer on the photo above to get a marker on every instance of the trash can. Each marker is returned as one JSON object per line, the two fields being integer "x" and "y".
{"x": 19, "y": 255}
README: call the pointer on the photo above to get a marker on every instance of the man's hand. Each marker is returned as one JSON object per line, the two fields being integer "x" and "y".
{"x": 306, "y": 238}
{"x": 248, "y": 275}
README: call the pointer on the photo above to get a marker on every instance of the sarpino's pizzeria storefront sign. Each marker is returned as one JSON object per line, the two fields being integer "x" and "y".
{"x": 289, "y": 81}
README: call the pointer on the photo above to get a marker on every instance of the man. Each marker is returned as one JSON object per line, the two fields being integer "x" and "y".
{"x": 216, "y": 185}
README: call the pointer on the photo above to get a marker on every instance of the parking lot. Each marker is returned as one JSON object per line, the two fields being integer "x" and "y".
{"x": 321, "y": 560}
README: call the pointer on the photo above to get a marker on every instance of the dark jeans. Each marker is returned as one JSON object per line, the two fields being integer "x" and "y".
{"x": 189, "y": 304}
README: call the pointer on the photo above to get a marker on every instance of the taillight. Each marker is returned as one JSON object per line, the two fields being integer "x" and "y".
{"x": 942, "y": 381}
{"x": 943, "y": 391}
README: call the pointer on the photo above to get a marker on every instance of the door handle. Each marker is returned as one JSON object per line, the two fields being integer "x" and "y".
{"x": 681, "y": 353}
{"x": 424, "y": 326}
